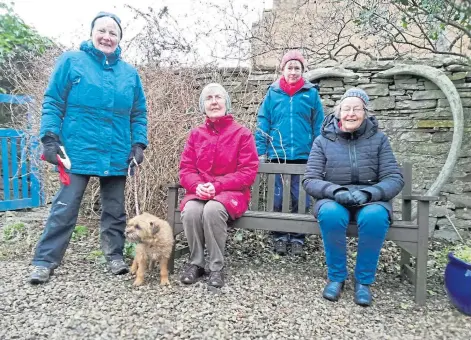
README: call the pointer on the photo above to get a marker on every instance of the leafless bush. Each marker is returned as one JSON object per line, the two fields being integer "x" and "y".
{"x": 172, "y": 101}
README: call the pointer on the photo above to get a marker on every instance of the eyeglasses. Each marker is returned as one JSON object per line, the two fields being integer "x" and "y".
{"x": 356, "y": 110}
{"x": 217, "y": 98}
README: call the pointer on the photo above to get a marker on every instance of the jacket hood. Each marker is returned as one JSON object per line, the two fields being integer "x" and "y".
{"x": 330, "y": 128}
{"x": 87, "y": 46}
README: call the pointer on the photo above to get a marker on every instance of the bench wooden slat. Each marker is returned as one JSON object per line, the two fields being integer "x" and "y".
{"x": 396, "y": 232}
{"x": 289, "y": 169}
{"x": 309, "y": 218}
{"x": 254, "y": 201}
{"x": 286, "y": 180}
{"x": 301, "y": 198}
{"x": 420, "y": 198}
{"x": 409, "y": 247}
{"x": 271, "y": 192}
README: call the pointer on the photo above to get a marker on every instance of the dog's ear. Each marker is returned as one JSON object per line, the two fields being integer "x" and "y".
{"x": 154, "y": 227}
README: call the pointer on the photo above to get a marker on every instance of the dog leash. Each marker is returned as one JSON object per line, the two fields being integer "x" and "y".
{"x": 134, "y": 175}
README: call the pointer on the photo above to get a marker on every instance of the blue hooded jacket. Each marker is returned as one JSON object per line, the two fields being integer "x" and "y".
{"x": 96, "y": 105}
{"x": 287, "y": 126}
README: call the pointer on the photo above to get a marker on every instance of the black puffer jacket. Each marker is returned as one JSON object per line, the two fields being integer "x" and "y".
{"x": 359, "y": 160}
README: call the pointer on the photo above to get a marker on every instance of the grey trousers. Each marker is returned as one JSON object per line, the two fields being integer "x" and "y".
{"x": 205, "y": 222}
{"x": 63, "y": 217}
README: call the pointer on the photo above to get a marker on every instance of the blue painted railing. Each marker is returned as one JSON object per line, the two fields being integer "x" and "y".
{"x": 21, "y": 186}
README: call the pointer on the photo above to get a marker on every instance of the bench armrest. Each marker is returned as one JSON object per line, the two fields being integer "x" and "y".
{"x": 420, "y": 198}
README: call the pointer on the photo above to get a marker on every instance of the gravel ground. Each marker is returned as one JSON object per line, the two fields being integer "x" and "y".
{"x": 266, "y": 297}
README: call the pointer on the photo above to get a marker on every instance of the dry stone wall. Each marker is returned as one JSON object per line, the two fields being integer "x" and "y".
{"x": 415, "y": 115}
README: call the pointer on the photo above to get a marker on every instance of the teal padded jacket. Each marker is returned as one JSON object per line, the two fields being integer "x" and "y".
{"x": 287, "y": 126}
{"x": 96, "y": 105}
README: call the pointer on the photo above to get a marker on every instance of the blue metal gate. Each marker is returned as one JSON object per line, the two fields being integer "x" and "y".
{"x": 19, "y": 185}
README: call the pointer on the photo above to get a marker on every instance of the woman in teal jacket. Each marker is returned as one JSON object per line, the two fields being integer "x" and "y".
{"x": 289, "y": 120}
{"x": 94, "y": 106}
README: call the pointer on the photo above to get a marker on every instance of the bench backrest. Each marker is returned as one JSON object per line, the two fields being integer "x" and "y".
{"x": 263, "y": 190}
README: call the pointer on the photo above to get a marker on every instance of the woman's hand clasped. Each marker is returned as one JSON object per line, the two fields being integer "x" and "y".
{"x": 348, "y": 199}
{"x": 205, "y": 191}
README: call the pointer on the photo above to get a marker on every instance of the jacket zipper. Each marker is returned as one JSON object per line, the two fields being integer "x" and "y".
{"x": 291, "y": 126}
{"x": 353, "y": 160}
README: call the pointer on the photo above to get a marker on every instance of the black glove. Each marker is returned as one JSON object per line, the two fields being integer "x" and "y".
{"x": 51, "y": 148}
{"x": 360, "y": 197}
{"x": 344, "y": 197}
{"x": 137, "y": 152}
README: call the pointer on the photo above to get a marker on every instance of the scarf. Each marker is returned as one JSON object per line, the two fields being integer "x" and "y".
{"x": 291, "y": 89}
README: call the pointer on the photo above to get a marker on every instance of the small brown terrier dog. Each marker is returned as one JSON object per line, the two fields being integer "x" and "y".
{"x": 154, "y": 238}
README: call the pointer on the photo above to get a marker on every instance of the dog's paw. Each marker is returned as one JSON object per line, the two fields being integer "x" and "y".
{"x": 138, "y": 283}
{"x": 133, "y": 271}
{"x": 165, "y": 282}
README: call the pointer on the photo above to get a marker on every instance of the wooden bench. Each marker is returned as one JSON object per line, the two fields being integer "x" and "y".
{"x": 410, "y": 236}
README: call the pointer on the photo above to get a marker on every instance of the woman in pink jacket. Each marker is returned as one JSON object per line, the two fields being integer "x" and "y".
{"x": 218, "y": 165}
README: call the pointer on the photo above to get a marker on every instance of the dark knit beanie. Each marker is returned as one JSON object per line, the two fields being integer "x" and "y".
{"x": 112, "y": 16}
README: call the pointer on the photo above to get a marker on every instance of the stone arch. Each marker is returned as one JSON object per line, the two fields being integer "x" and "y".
{"x": 338, "y": 72}
{"x": 448, "y": 88}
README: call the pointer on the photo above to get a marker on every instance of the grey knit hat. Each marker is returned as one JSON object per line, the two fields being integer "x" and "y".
{"x": 223, "y": 92}
{"x": 356, "y": 92}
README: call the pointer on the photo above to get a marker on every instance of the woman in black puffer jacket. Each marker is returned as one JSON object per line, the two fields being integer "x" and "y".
{"x": 353, "y": 174}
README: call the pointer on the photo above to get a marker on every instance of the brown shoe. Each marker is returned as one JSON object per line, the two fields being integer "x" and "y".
{"x": 191, "y": 273}
{"x": 216, "y": 279}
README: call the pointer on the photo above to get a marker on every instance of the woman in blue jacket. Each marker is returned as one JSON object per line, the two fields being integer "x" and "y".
{"x": 94, "y": 106}
{"x": 354, "y": 175}
{"x": 289, "y": 120}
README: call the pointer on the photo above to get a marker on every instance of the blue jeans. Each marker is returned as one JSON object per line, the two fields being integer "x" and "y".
{"x": 283, "y": 236}
{"x": 63, "y": 217}
{"x": 373, "y": 223}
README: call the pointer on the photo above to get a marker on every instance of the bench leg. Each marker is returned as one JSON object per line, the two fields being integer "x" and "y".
{"x": 421, "y": 280}
{"x": 422, "y": 253}
{"x": 172, "y": 201}
{"x": 405, "y": 260}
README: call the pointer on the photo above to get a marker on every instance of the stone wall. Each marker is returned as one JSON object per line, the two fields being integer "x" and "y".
{"x": 415, "y": 115}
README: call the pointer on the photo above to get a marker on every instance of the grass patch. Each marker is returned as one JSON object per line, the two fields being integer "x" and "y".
{"x": 129, "y": 250}
{"x": 464, "y": 253}
{"x": 80, "y": 232}
{"x": 14, "y": 230}
{"x": 97, "y": 256}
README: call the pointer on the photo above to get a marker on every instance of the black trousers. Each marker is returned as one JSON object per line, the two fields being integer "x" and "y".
{"x": 63, "y": 217}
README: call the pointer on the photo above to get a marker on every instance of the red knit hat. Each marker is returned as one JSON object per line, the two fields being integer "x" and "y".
{"x": 293, "y": 55}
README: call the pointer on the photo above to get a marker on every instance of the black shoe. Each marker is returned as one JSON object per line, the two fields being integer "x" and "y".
{"x": 297, "y": 248}
{"x": 191, "y": 273}
{"x": 118, "y": 267}
{"x": 216, "y": 279}
{"x": 40, "y": 275}
{"x": 280, "y": 247}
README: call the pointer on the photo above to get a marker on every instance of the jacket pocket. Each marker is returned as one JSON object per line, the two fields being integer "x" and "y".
{"x": 69, "y": 127}
{"x": 74, "y": 94}
{"x": 124, "y": 97}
